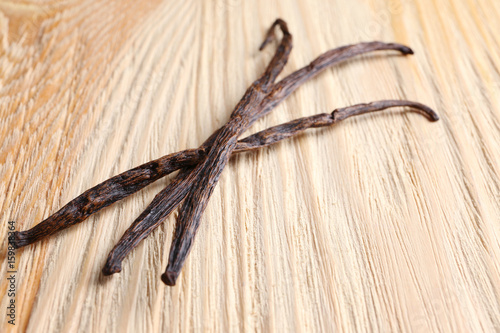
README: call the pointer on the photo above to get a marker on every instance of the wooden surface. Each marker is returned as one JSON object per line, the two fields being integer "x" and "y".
{"x": 386, "y": 222}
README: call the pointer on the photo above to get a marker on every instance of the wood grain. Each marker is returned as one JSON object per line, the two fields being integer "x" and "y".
{"x": 384, "y": 222}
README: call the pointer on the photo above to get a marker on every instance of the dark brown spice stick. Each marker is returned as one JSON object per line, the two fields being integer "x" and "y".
{"x": 168, "y": 199}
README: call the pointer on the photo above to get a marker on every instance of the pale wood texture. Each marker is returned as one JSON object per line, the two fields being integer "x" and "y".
{"x": 386, "y": 222}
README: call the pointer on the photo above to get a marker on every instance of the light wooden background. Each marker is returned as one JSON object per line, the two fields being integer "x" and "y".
{"x": 386, "y": 222}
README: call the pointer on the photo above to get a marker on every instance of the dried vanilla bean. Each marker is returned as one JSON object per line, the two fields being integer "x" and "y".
{"x": 200, "y": 168}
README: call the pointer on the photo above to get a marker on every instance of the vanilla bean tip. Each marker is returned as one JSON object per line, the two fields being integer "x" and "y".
{"x": 169, "y": 278}
{"x": 263, "y": 45}
{"x": 432, "y": 115}
{"x": 111, "y": 268}
{"x": 401, "y": 48}
{"x": 406, "y": 50}
{"x": 270, "y": 36}
{"x": 429, "y": 113}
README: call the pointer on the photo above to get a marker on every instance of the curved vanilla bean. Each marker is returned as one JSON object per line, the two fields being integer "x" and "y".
{"x": 169, "y": 198}
{"x": 290, "y": 129}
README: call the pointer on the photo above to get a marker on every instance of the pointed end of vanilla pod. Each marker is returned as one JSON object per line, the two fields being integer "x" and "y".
{"x": 169, "y": 278}
{"x": 270, "y": 36}
{"x": 429, "y": 113}
{"x": 110, "y": 269}
{"x": 433, "y": 116}
{"x": 406, "y": 50}
{"x": 265, "y": 42}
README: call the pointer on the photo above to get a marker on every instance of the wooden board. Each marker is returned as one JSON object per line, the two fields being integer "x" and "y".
{"x": 385, "y": 222}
